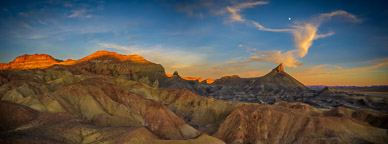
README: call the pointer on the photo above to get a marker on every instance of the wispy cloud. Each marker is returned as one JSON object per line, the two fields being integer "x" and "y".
{"x": 77, "y": 13}
{"x": 304, "y": 34}
{"x": 334, "y": 74}
{"x": 35, "y": 36}
{"x": 235, "y": 10}
{"x": 202, "y": 8}
{"x": 25, "y": 25}
{"x": 276, "y": 56}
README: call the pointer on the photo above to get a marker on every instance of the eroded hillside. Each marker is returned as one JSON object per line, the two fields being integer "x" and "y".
{"x": 105, "y": 99}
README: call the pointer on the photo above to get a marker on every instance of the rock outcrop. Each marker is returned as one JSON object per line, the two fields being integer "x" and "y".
{"x": 30, "y": 62}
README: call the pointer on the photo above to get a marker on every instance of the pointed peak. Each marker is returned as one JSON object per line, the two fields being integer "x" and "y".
{"x": 176, "y": 73}
{"x": 327, "y": 89}
{"x": 279, "y": 68}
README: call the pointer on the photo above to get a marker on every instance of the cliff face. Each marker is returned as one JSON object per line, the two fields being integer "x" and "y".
{"x": 30, "y": 62}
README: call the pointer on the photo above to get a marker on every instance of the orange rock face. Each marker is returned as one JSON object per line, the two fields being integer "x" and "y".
{"x": 133, "y": 58}
{"x": 209, "y": 81}
{"x": 45, "y": 61}
{"x": 30, "y": 62}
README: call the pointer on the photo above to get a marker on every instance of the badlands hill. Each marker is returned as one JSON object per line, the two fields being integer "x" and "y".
{"x": 113, "y": 98}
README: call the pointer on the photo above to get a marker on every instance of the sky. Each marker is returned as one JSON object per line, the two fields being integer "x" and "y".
{"x": 320, "y": 42}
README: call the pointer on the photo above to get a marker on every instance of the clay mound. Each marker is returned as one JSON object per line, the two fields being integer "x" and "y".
{"x": 14, "y": 115}
{"x": 68, "y": 128}
{"x": 110, "y": 105}
{"x": 203, "y": 113}
{"x": 106, "y": 100}
{"x": 372, "y": 118}
{"x": 294, "y": 123}
{"x": 30, "y": 62}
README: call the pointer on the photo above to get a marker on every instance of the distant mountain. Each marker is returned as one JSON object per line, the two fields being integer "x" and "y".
{"x": 275, "y": 86}
{"x": 279, "y": 78}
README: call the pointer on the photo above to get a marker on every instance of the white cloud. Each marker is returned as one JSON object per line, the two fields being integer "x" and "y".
{"x": 235, "y": 10}
{"x": 25, "y": 25}
{"x": 36, "y": 36}
{"x": 77, "y": 13}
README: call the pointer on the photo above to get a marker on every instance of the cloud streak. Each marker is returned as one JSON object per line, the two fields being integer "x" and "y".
{"x": 234, "y": 11}
{"x": 77, "y": 13}
{"x": 304, "y": 34}
{"x": 81, "y": 13}
{"x": 371, "y": 74}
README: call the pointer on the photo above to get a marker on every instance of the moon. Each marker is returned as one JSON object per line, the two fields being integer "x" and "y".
{"x": 289, "y": 18}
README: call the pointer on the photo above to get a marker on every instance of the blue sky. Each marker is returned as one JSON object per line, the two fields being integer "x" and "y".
{"x": 348, "y": 40}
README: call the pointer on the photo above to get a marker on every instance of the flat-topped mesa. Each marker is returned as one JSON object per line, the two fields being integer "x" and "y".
{"x": 30, "y": 62}
{"x": 34, "y": 58}
{"x": 134, "y": 58}
{"x": 230, "y": 77}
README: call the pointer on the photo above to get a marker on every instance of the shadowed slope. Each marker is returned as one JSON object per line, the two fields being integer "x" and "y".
{"x": 294, "y": 123}
{"x": 67, "y": 128}
{"x": 109, "y": 105}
